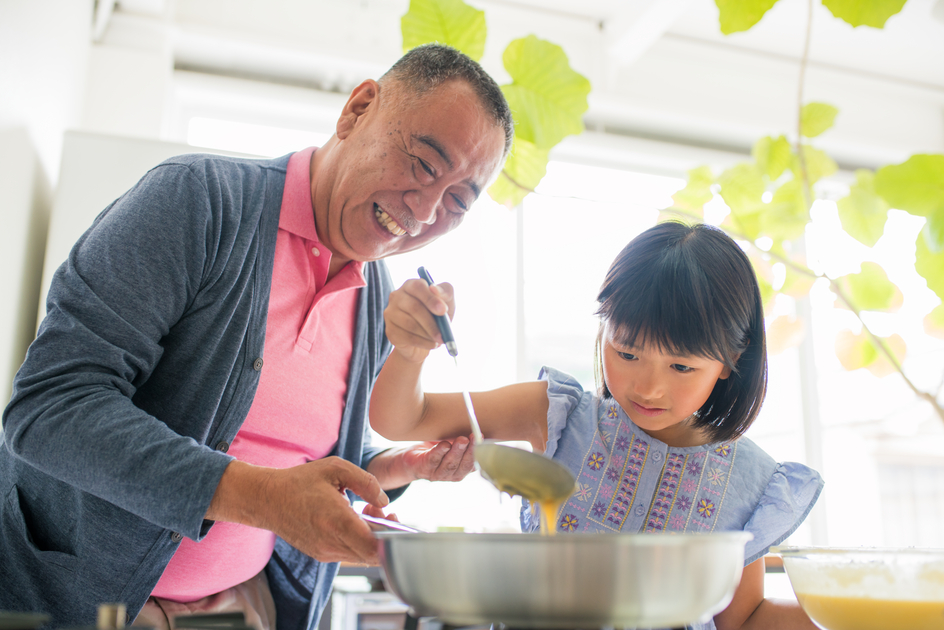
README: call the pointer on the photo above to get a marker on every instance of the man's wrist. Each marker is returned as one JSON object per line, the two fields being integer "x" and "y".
{"x": 240, "y": 495}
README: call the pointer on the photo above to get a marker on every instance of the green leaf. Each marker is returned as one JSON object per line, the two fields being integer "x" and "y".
{"x": 773, "y": 156}
{"x": 740, "y": 15}
{"x": 742, "y": 187}
{"x": 915, "y": 186}
{"x": 930, "y": 266}
{"x": 450, "y": 22}
{"x": 871, "y": 290}
{"x": 697, "y": 191}
{"x": 934, "y": 232}
{"x": 854, "y": 351}
{"x": 864, "y": 12}
{"x": 863, "y": 213}
{"x": 815, "y": 118}
{"x": 786, "y": 216}
{"x": 818, "y": 164}
{"x": 546, "y": 96}
{"x": 934, "y": 322}
{"x": 523, "y": 171}
{"x": 858, "y": 351}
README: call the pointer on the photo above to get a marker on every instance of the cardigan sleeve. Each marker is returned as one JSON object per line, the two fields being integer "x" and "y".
{"x": 126, "y": 282}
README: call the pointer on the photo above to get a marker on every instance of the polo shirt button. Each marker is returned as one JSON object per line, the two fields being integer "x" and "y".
{"x": 315, "y": 251}
{"x": 257, "y": 364}
{"x": 639, "y": 510}
{"x": 657, "y": 457}
{"x": 222, "y": 447}
{"x": 176, "y": 537}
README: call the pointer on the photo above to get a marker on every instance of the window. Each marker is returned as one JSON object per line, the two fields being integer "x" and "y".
{"x": 526, "y": 283}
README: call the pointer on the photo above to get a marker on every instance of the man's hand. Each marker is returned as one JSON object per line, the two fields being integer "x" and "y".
{"x": 304, "y": 505}
{"x": 447, "y": 460}
{"x": 409, "y": 320}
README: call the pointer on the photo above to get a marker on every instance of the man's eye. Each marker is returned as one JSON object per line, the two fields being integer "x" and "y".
{"x": 426, "y": 167}
{"x": 459, "y": 204}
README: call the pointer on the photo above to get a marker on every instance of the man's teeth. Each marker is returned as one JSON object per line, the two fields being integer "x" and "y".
{"x": 384, "y": 219}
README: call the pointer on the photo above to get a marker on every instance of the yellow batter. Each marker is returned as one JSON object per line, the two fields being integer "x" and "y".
{"x": 860, "y": 613}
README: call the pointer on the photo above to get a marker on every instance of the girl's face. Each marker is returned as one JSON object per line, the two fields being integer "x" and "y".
{"x": 660, "y": 391}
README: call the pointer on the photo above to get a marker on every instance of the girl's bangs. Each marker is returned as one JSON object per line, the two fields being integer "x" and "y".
{"x": 674, "y": 322}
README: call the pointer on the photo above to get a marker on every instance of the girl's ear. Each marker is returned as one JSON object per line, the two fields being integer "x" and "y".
{"x": 361, "y": 98}
{"x": 726, "y": 371}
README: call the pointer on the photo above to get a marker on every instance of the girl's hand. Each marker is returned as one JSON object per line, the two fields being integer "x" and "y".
{"x": 409, "y": 321}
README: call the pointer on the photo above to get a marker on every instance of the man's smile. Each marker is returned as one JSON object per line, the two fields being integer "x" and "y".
{"x": 387, "y": 221}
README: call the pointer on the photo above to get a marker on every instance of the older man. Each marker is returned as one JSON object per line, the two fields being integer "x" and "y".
{"x": 186, "y": 424}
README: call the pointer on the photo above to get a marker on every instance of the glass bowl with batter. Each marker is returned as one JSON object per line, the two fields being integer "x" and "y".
{"x": 868, "y": 588}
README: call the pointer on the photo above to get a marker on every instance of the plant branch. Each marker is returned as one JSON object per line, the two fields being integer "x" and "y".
{"x": 883, "y": 346}
{"x": 879, "y": 342}
{"x": 801, "y": 156}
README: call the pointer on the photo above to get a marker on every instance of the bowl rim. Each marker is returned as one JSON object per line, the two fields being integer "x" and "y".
{"x": 618, "y": 539}
{"x": 810, "y": 550}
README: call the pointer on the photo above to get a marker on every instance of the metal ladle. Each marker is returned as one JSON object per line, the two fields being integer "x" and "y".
{"x": 533, "y": 476}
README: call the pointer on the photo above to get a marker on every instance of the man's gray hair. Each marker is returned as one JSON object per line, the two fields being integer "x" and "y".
{"x": 426, "y": 67}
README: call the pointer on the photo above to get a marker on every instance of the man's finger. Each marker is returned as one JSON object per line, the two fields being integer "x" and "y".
{"x": 353, "y": 541}
{"x": 360, "y": 482}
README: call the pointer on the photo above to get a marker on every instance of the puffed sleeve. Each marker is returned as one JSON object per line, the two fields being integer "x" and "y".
{"x": 790, "y": 495}
{"x": 565, "y": 396}
{"x": 571, "y": 425}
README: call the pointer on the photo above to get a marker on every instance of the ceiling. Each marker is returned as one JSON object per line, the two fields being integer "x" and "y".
{"x": 909, "y": 49}
{"x": 660, "y": 69}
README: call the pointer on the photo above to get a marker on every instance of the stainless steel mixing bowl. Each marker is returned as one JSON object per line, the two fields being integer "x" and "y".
{"x": 564, "y": 581}
{"x": 868, "y": 588}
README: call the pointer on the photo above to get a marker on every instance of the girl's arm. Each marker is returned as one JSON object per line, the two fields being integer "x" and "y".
{"x": 400, "y": 410}
{"x": 750, "y": 610}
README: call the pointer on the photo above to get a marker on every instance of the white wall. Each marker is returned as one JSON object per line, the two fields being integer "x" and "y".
{"x": 43, "y": 48}
{"x": 24, "y": 205}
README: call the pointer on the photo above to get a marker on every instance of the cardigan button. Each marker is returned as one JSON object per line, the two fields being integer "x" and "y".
{"x": 223, "y": 446}
{"x": 639, "y": 510}
{"x": 257, "y": 364}
{"x": 176, "y": 537}
{"x": 657, "y": 456}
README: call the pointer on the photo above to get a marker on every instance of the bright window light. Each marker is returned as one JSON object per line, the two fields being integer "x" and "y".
{"x": 242, "y": 137}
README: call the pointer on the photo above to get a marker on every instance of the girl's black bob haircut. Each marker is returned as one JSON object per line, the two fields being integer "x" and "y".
{"x": 691, "y": 290}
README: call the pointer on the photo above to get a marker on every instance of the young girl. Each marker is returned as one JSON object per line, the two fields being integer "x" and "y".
{"x": 681, "y": 365}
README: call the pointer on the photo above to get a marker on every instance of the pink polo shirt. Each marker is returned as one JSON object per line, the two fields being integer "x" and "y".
{"x": 296, "y": 413}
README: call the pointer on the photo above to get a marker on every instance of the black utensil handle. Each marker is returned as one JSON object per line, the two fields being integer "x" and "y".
{"x": 441, "y": 320}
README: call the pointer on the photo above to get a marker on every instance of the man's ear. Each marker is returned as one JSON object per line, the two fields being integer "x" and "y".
{"x": 361, "y": 99}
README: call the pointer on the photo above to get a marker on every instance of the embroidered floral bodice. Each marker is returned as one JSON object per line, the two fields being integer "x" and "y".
{"x": 630, "y": 482}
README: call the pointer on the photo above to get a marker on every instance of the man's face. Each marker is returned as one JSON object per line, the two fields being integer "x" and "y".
{"x": 400, "y": 177}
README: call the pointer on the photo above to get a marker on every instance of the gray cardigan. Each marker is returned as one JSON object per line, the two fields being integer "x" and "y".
{"x": 140, "y": 376}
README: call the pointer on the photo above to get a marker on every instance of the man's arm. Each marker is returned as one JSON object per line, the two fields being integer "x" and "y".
{"x": 305, "y": 505}
{"x": 112, "y": 304}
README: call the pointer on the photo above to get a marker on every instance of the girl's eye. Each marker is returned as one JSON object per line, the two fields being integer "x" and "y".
{"x": 627, "y": 356}
{"x": 684, "y": 369}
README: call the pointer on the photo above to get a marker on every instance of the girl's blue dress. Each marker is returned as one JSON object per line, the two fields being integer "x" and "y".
{"x": 629, "y": 482}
